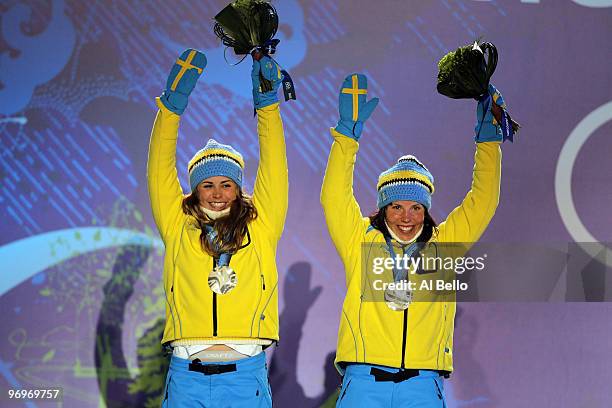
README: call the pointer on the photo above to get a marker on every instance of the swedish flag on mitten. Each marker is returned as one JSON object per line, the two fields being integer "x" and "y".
{"x": 354, "y": 109}
{"x": 182, "y": 79}
{"x": 269, "y": 70}
{"x": 487, "y": 128}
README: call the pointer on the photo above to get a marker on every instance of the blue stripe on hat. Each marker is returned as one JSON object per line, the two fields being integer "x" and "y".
{"x": 215, "y": 159}
{"x": 407, "y": 180}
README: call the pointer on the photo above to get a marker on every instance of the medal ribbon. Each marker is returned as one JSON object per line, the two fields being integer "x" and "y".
{"x": 408, "y": 250}
{"x": 224, "y": 257}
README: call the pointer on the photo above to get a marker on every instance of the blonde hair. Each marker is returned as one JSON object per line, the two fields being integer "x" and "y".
{"x": 231, "y": 229}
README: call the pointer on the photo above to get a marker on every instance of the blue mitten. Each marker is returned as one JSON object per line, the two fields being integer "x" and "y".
{"x": 487, "y": 129}
{"x": 182, "y": 79}
{"x": 269, "y": 70}
{"x": 354, "y": 110}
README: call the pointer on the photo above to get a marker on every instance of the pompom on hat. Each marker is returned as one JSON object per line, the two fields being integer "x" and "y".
{"x": 215, "y": 159}
{"x": 407, "y": 180}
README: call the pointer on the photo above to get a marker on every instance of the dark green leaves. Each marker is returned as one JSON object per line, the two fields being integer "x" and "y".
{"x": 464, "y": 73}
{"x": 246, "y": 24}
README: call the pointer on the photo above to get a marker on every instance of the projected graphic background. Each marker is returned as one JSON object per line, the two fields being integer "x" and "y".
{"x": 80, "y": 259}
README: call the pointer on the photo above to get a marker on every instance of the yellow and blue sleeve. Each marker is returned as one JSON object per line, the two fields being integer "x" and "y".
{"x": 345, "y": 222}
{"x": 271, "y": 191}
{"x": 165, "y": 191}
{"x": 467, "y": 222}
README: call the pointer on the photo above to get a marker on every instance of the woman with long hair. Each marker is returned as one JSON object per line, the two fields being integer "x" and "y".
{"x": 220, "y": 276}
{"x": 393, "y": 351}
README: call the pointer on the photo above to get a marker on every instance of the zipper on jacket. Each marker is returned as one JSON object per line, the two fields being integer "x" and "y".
{"x": 263, "y": 282}
{"x": 404, "y": 337}
{"x": 214, "y": 315}
{"x": 214, "y": 305}
{"x": 446, "y": 349}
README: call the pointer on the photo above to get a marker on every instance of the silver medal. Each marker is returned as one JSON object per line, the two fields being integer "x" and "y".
{"x": 222, "y": 280}
{"x": 398, "y": 299}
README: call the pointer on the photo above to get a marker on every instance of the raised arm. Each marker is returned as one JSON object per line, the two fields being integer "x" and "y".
{"x": 467, "y": 222}
{"x": 271, "y": 191}
{"x": 345, "y": 222}
{"x": 165, "y": 190}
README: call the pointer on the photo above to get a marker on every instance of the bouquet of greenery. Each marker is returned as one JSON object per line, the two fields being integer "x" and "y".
{"x": 464, "y": 73}
{"x": 245, "y": 25}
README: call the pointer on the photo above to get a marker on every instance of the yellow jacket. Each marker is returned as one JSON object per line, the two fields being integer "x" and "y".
{"x": 370, "y": 332}
{"x": 193, "y": 312}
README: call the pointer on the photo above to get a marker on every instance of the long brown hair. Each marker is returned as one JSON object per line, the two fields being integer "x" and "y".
{"x": 430, "y": 227}
{"x": 231, "y": 229}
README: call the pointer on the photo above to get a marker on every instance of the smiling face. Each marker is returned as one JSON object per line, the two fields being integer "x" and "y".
{"x": 217, "y": 193}
{"x": 405, "y": 218}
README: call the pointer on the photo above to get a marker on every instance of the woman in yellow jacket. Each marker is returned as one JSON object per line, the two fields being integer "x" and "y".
{"x": 220, "y": 276}
{"x": 394, "y": 352}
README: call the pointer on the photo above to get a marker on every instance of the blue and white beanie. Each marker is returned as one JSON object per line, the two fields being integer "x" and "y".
{"x": 215, "y": 159}
{"x": 409, "y": 180}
